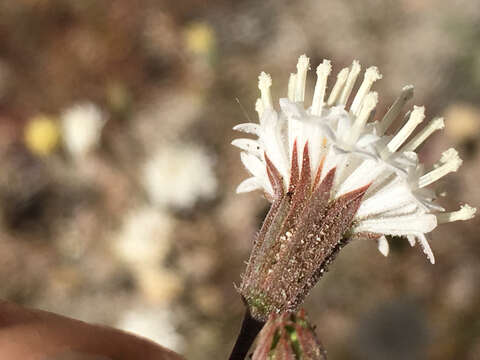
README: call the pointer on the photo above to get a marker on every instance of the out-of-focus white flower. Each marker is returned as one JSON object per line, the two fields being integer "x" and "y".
{"x": 81, "y": 128}
{"x": 144, "y": 238}
{"x": 178, "y": 175}
{"x": 154, "y": 324}
{"x": 143, "y": 243}
{"x": 331, "y": 136}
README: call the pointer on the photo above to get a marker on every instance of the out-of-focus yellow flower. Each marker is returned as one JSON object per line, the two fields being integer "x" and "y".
{"x": 118, "y": 97}
{"x": 41, "y": 135}
{"x": 200, "y": 38}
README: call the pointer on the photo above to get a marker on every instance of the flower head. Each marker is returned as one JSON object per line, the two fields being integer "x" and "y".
{"x": 288, "y": 336}
{"x": 82, "y": 126}
{"x": 168, "y": 180}
{"x": 42, "y": 135}
{"x": 332, "y": 176}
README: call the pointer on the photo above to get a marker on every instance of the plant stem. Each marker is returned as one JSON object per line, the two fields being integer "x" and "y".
{"x": 249, "y": 331}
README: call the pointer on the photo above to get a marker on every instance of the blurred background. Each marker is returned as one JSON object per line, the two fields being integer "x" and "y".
{"x": 117, "y": 177}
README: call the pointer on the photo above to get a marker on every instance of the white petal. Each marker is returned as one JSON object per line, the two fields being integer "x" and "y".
{"x": 426, "y": 247}
{"x": 367, "y": 139}
{"x": 292, "y": 109}
{"x": 407, "y": 209}
{"x": 383, "y": 246}
{"x": 249, "y": 128}
{"x": 248, "y": 185}
{"x": 399, "y": 225}
{"x": 249, "y": 145}
{"x": 254, "y": 165}
{"x": 394, "y": 196}
{"x": 367, "y": 172}
{"x": 274, "y": 141}
{"x": 411, "y": 240}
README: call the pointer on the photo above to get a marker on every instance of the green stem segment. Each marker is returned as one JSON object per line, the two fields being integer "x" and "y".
{"x": 249, "y": 331}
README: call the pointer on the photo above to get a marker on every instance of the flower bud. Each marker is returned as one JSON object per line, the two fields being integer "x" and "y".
{"x": 289, "y": 336}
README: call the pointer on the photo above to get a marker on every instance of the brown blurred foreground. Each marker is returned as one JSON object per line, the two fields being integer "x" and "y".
{"x": 33, "y": 334}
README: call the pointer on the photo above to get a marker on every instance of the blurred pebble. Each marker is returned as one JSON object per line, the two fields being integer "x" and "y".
{"x": 208, "y": 299}
{"x": 198, "y": 264}
{"x": 156, "y": 324}
{"x": 159, "y": 286}
{"x": 25, "y": 184}
{"x": 205, "y": 336}
{"x": 160, "y": 35}
{"x": 167, "y": 116}
{"x": 144, "y": 238}
{"x": 462, "y": 122}
{"x": 6, "y": 78}
{"x": 460, "y": 290}
{"x": 391, "y": 331}
{"x": 64, "y": 280}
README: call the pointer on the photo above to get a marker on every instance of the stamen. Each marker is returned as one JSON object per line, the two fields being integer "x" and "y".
{"x": 371, "y": 75}
{"x": 450, "y": 164}
{"x": 302, "y": 67}
{"x": 416, "y": 117}
{"x": 466, "y": 212}
{"x": 291, "y": 86}
{"x": 395, "y": 109}
{"x": 369, "y": 104}
{"x": 341, "y": 78}
{"x": 352, "y": 77}
{"x": 323, "y": 71}
{"x": 264, "y": 84}
{"x": 259, "y": 107}
{"x": 434, "y": 125}
{"x": 448, "y": 155}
